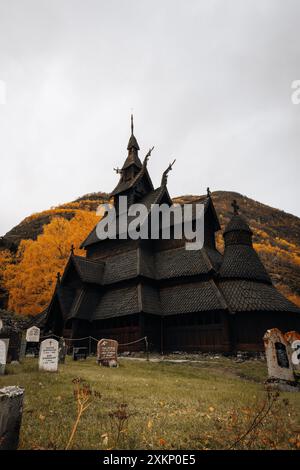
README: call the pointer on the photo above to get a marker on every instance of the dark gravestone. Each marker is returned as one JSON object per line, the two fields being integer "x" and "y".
{"x": 79, "y": 353}
{"x": 22, "y": 347}
{"x": 62, "y": 350}
{"x": 107, "y": 352}
{"x": 281, "y": 354}
{"x": 11, "y": 407}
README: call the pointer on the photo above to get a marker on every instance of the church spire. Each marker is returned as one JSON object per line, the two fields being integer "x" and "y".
{"x": 132, "y": 144}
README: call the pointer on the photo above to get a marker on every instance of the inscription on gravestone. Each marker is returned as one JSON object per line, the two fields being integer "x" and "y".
{"x": 107, "y": 352}
{"x": 48, "y": 359}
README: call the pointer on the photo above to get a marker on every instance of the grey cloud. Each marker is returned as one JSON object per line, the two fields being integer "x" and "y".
{"x": 209, "y": 83}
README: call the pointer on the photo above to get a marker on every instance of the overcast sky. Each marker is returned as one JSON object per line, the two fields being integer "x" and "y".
{"x": 209, "y": 83}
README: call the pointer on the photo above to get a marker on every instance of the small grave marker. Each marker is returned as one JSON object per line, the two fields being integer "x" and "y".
{"x": 22, "y": 347}
{"x": 61, "y": 351}
{"x": 107, "y": 352}
{"x": 33, "y": 334}
{"x": 48, "y": 359}
{"x": 79, "y": 353}
{"x": 278, "y": 355}
{"x": 11, "y": 408}
{"x": 4, "y": 342}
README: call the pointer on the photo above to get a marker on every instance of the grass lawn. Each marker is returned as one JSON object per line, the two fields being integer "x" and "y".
{"x": 206, "y": 405}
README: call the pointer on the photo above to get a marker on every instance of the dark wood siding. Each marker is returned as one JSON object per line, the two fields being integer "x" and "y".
{"x": 124, "y": 329}
{"x": 251, "y": 327}
{"x": 196, "y": 332}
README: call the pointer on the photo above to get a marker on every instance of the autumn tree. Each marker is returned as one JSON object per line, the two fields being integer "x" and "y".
{"x": 30, "y": 279}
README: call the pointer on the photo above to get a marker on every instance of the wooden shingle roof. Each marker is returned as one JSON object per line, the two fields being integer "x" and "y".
{"x": 245, "y": 296}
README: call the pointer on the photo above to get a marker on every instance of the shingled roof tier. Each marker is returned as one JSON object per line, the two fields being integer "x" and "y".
{"x": 245, "y": 296}
{"x": 240, "y": 260}
{"x": 89, "y": 271}
{"x": 161, "y": 265}
{"x": 192, "y": 297}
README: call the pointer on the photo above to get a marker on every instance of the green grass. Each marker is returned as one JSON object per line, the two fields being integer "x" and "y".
{"x": 175, "y": 406}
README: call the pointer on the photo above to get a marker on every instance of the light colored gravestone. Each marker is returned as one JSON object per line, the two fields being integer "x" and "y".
{"x": 1, "y": 324}
{"x": 278, "y": 355}
{"x": 11, "y": 407}
{"x": 3, "y": 354}
{"x": 33, "y": 334}
{"x": 61, "y": 351}
{"x": 48, "y": 359}
{"x": 107, "y": 352}
{"x": 293, "y": 338}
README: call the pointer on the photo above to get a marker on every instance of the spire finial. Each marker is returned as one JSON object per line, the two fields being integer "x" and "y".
{"x": 58, "y": 277}
{"x": 132, "y": 127}
{"x": 147, "y": 157}
{"x": 72, "y": 249}
{"x": 235, "y": 207}
{"x": 208, "y": 192}
{"x": 164, "y": 178}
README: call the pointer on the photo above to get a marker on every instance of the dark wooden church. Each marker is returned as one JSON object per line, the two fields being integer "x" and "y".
{"x": 179, "y": 299}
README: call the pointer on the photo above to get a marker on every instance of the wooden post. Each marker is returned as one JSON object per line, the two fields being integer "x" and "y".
{"x": 147, "y": 348}
{"x": 11, "y": 408}
{"x": 161, "y": 337}
{"x": 89, "y": 345}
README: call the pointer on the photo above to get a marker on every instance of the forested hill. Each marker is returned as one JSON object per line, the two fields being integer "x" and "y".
{"x": 276, "y": 238}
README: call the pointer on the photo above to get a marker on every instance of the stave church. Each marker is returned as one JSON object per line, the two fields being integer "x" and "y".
{"x": 181, "y": 300}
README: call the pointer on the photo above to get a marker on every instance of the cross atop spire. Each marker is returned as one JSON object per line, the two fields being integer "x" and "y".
{"x": 235, "y": 207}
{"x": 132, "y": 127}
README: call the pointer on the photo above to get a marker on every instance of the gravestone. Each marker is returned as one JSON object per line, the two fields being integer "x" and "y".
{"x": 79, "y": 353}
{"x": 1, "y": 324}
{"x": 293, "y": 338}
{"x": 61, "y": 351}
{"x": 22, "y": 347}
{"x": 33, "y": 334}
{"x": 278, "y": 355}
{"x": 11, "y": 408}
{"x": 48, "y": 359}
{"x": 4, "y": 342}
{"x": 107, "y": 352}
{"x": 32, "y": 339}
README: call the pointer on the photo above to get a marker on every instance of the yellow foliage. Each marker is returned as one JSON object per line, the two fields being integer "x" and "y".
{"x": 31, "y": 279}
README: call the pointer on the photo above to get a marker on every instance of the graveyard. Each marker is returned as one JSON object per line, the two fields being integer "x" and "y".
{"x": 207, "y": 402}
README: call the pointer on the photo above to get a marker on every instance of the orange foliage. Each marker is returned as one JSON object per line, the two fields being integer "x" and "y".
{"x": 31, "y": 278}
{"x": 277, "y": 251}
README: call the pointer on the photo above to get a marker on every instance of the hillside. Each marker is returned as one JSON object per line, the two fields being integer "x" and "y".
{"x": 276, "y": 234}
